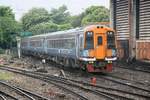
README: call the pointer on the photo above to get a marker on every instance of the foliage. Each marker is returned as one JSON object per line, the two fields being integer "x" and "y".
{"x": 39, "y": 20}
{"x": 96, "y": 14}
{"x": 44, "y": 27}
{"x": 64, "y": 26}
{"x": 1, "y": 51}
{"x": 35, "y": 16}
{"x": 77, "y": 19}
{"x": 60, "y": 15}
{"x": 6, "y": 12}
{"x": 8, "y": 27}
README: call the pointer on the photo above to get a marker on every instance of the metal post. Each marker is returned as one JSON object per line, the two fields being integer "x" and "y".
{"x": 113, "y": 14}
{"x": 132, "y": 37}
{"x": 18, "y": 46}
{"x": 44, "y": 62}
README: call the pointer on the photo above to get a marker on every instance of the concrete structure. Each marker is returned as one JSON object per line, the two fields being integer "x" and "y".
{"x": 131, "y": 20}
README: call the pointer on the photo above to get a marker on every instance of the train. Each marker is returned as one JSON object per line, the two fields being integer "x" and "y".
{"x": 91, "y": 48}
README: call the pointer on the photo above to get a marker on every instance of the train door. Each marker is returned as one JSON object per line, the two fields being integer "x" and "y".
{"x": 100, "y": 49}
{"x": 80, "y": 44}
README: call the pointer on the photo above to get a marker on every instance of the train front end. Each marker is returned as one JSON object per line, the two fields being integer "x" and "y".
{"x": 99, "y": 51}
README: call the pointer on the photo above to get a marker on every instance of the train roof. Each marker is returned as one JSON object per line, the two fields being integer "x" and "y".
{"x": 65, "y": 31}
{"x": 91, "y": 27}
{"x": 58, "y": 32}
{"x": 80, "y": 29}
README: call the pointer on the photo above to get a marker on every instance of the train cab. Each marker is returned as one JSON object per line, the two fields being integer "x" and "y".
{"x": 99, "y": 49}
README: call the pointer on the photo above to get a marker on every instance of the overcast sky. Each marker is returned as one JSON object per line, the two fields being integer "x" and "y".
{"x": 74, "y": 6}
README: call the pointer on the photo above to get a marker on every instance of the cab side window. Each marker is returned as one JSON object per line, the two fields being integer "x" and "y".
{"x": 89, "y": 40}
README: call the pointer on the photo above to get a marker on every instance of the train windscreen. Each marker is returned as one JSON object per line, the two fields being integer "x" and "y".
{"x": 110, "y": 40}
{"x": 89, "y": 40}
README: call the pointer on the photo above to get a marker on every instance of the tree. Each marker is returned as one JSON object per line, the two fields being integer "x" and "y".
{"x": 64, "y": 26}
{"x": 96, "y": 14}
{"x": 8, "y": 27}
{"x": 6, "y": 12}
{"x": 35, "y": 16}
{"x": 39, "y": 20}
{"x": 77, "y": 19}
{"x": 60, "y": 15}
{"x": 44, "y": 27}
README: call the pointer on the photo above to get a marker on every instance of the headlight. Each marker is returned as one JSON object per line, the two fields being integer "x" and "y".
{"x": 110, "y": 33}
{"x": 85, "y": 53}
{"x": 113, "y": 53}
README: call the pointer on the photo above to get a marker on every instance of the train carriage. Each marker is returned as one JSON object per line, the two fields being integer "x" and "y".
{"x": 91, "y": 48}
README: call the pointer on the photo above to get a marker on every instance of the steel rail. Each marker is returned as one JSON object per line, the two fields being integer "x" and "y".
{"x": 118, "y": 90}
{"x": 135, "y": 69}
{"x": 98, "y": 86}
{"x": 83, "y": 87}
{"x": 19, "y": 91}
{"x": 26, "y": 91}
{"x": 42, "y": 78}
{"x": 106, "y": 88}
{"x": 102, "y": 93}
{"x": 56, "y": 79}
{"x": 3, "y": 93}
{"x": 126, "y": 84}
{"x": 2, "y": 97}
{"x": 32, "y": 93}
{"x": 125, "y": 79}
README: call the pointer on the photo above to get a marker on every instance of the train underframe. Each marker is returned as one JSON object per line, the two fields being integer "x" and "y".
{"x": 89, "y": 66}
{"x": 96, "y": 66}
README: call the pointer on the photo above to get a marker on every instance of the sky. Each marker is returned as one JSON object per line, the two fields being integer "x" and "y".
{"x": 74, "y": 6}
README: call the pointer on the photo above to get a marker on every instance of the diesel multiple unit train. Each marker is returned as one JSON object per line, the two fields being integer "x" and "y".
{"x": 91, "y": 48}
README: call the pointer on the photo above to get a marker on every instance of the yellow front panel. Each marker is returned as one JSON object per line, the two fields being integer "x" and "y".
{"x": 99, "y": 51}
{"x": 109, "y": 52}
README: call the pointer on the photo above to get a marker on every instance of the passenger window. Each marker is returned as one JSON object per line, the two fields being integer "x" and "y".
{"x": 99, "y": 40}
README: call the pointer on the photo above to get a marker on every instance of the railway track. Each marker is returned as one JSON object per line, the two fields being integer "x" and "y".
{"x": 18, "y": 93}
{"x": 23, "y": 72}
{"x": 7, "y": 96}
{"x": 107, "y": 90}
{"x": 131, "y": 84}
{"x": 135, "y": 69}
{"x": 126, "y": 83}
{"x": 63, "y": 84}
{"x": 109, "y": 93}
{"x": 2, "y": 97}
{"x": 59, "y": 81}
{"x": 128, "y": 80}
{"x": 139, "y": 66}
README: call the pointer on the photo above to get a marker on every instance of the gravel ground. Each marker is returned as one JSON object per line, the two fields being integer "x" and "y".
{"x": 10, "y": 91}
{"x": 40, "y": 87}
{"x": 49, "y": 90}
{"x": 132, "y": 75}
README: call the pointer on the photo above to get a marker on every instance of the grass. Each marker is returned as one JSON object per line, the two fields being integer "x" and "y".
{"x": 5, "y": 75}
